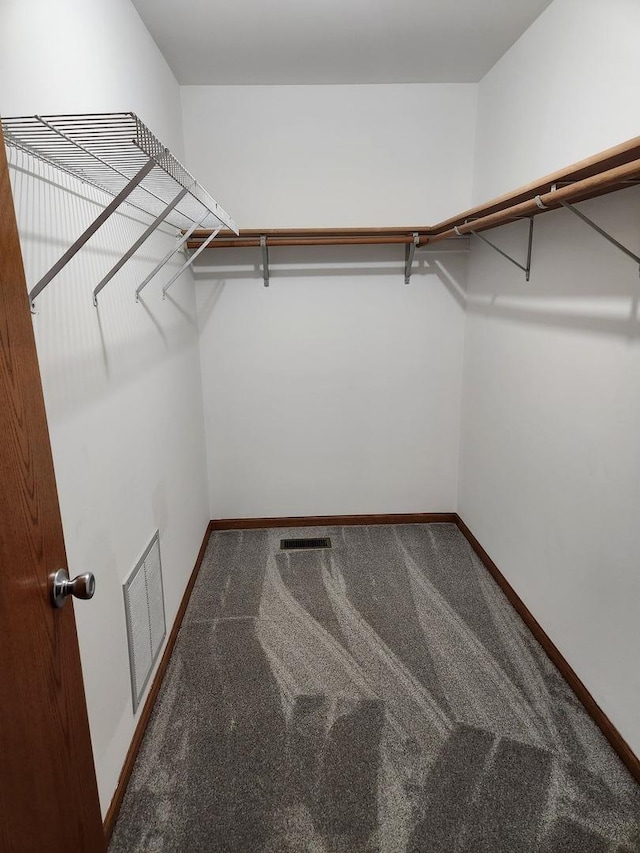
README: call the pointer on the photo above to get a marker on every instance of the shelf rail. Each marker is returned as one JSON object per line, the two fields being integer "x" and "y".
{"x": 117, "y": 154}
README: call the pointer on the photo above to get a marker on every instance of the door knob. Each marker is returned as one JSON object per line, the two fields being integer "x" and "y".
{"x": 82, "y": 586}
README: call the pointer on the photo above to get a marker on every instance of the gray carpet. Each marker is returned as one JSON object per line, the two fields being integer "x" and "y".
{"x": 377, "y": 697}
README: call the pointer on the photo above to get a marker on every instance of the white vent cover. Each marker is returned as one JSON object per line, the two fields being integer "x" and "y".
{"x": 144, "y": 608}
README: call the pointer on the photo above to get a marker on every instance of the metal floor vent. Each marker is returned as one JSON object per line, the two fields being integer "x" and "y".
{"x": 304, "y": 544}
{"x": 144, "y": 608}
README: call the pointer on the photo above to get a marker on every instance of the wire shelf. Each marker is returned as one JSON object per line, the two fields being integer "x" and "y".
{"x": 106, "y": 150}
{"x": 118, "y": 154}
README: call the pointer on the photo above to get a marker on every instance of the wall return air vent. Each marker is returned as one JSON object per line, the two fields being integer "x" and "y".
{"x": 144, "y": 608}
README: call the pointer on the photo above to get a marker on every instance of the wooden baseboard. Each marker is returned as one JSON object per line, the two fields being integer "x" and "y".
{"x": 334, "y": 520}
{"x": 143, "y": 720}
{"x": 603, "y": 722}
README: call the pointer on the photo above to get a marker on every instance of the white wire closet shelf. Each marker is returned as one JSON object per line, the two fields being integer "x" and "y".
{"x": 118, "y": 154}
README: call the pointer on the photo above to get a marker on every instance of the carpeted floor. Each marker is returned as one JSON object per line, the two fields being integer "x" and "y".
{"x": 377, "y": 697}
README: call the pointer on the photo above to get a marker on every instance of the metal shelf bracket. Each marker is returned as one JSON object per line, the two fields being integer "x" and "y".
{"x": 526, "y": 268}
{"x": 602, "y": 232}
{"x": 265, "y": 260}
{"x": 409, "y": 252}
{"x": 91, "y": 230}
{"x": 188, "y": 263}
{"x": 183, "y": 239}
{"x": 134, "y": 248}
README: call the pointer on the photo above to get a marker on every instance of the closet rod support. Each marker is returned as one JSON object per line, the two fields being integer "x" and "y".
{"x": 145, "y": 236}
{"x": 526, "y": 268}
{"x": 601, "y": 231}
{"x": 183, "y": 239}
{"x": 265, "y": 260}
{"x": 188, "y": 262}
{"x": 95, "y": 225}
{"x": 409, "y": 252}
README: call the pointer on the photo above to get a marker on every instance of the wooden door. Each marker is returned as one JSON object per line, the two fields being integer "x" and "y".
{"x": 48, "y": 793}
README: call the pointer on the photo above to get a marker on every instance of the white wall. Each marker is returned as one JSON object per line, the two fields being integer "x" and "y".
{"x": 121, "y": 383}
{"x": 335, "y": 390}
{"x": 550, "y": 450}
{"x": 333, "y": 156}
{"x": 563, "y": 92}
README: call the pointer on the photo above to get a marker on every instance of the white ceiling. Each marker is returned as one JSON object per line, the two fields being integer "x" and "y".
{"x": 335, "y": 41}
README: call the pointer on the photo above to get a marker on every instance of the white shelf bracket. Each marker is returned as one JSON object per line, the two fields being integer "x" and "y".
{"x": 91, "y": 230}
{"x": 409, "y": 252}
{"x": 145, "y": 236}
{"x": 188, "y": 263}
{"x": 265, "y": 260}
{"x": 526, "y": 267}
{"x": 183, "y": 239}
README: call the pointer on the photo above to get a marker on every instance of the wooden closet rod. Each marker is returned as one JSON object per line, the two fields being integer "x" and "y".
{"x": 338, "y": 239}
{"x": 609, "y": 171}
{"x": 609, "y": 181}
{"x": 587, "y": 168}
{"x": 324, "y": 232}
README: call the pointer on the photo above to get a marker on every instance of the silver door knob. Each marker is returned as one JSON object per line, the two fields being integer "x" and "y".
{"x": 82, "y": 586}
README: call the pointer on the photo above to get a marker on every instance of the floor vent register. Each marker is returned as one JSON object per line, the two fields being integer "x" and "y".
{"x": 304, "y": 544}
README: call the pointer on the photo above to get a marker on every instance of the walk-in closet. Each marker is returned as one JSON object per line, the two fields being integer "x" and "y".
{"x": 319, "y": 392}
